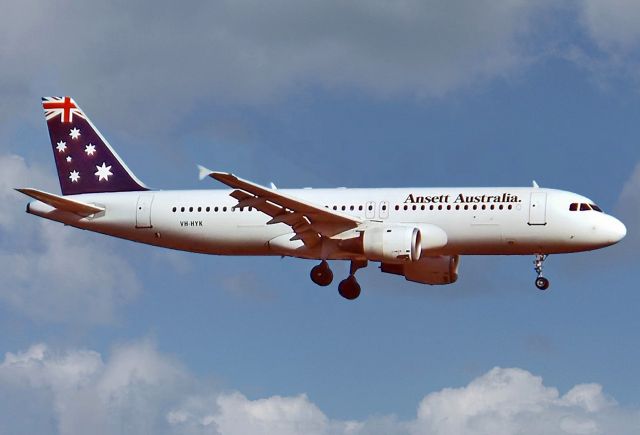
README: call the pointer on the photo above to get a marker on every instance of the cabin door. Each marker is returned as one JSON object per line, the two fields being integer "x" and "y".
{"x": 143, "y": 210}
{"x": 538, "y": 208}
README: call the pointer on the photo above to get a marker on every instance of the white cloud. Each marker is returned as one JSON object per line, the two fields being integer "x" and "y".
{"x": 86, "y": 395}
{"x": 50, "y": 272}
{"x": 610, "y": 52}
{"x": 139, "y": 390}
{"x": 173, "y": 56}
{"x": 612, "y": 24}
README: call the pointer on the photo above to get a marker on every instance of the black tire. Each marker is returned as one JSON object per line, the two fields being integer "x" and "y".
{"x": 321, "y": 275}
{"x": 542, "y": 283}
{"x": 349, "y": 288}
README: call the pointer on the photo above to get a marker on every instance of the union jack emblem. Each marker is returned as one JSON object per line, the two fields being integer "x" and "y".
{"x": 61, "y": 106}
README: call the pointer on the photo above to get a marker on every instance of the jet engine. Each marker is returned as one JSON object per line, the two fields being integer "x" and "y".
{"x": 442, "y": 269}
{"x": 392, "y": 243}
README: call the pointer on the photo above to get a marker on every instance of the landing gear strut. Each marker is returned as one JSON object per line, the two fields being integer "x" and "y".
{"x": 541, "y": 282}
{"x": 322, "y": 274}
{"x": 349, "y": 287}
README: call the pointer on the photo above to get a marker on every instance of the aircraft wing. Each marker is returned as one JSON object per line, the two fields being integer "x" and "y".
{"x": 62, "y": 203}
{"x": 310, "y": 222}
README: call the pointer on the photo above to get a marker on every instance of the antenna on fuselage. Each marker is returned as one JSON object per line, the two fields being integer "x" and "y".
{"x": 535, "y": 185}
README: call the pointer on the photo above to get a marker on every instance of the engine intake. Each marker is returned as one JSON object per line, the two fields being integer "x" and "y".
{"x": 393, "y": 243}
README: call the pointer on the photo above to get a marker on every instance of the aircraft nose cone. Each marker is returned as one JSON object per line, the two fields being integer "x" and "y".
{"x": 616, "y": 230}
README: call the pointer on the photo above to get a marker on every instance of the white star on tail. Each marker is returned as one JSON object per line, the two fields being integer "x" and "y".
{"x": 74, "y": 133}
{"x": 74, "y": 176}
{"x": 69, "y": 159}
{"x": 61, "y": 146}
{"x": 103, "y": 172}
{"x": 90, "y": 149}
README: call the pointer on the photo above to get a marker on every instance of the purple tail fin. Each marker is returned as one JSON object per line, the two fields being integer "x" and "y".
{"x": 85, "y": 161}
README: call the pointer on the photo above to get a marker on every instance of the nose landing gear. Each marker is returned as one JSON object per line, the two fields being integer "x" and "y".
{"x": 541, "y": 282}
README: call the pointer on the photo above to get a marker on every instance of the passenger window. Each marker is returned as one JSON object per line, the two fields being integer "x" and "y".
{"x": 457, "y": 206}
{"x": 406, "y": 207}
{"x": 584, "y": 207}
{"x": 510, "y": 206}
{"x": 224, "y": 208}
{"x": 449, "y": 207}
{"x": 397, "y": 207}
{"x": 190, "y": 208}
{"x": 199, "y": 209}
{"x": 414, "y": 208}
{"x": 573, "y": 206}
{"x": 215, "y": 209}
{"x": 422, "y": 207}
{"x": 174, "y": 209}
{"x": 384, "y": 208}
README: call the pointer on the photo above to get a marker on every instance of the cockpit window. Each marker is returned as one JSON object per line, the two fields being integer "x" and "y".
{"x": 574, "y": 206}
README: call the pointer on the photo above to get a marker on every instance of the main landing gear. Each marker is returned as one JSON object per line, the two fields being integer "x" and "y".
{"x": 348, "y": 287}
{"x": 322, "y": 274}
{"x": 541, "y": 282}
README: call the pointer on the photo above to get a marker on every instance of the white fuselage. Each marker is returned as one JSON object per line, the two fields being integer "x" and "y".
{"x": 477, "y": 221}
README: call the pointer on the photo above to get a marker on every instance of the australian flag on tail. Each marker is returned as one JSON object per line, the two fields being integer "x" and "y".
{"x": 85, "y": 161}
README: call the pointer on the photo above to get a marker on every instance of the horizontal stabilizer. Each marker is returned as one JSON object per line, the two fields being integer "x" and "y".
{"x": 62, "y": 203}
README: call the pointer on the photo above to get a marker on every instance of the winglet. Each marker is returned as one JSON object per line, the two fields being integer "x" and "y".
{"x": 203, "y": 172}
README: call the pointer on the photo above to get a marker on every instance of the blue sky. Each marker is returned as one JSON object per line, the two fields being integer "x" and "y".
{"x": 107, "y": 336}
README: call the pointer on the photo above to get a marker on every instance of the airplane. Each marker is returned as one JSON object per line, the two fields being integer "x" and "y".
{"x": 418, "y": 233}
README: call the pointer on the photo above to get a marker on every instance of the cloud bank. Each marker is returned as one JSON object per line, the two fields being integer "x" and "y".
{"x": 173, "y": 56}
{"x": 137, "y": 389}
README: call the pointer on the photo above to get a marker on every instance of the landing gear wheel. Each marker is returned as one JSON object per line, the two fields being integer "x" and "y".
{"x": 322, "y": 274}
{"x": 542, "y": 283}
{"x": 349, "y": 288}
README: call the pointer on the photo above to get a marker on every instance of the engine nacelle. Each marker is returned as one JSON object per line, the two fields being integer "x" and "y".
{"x": 392, "y": 243}
{"x": 442, "y": 269}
